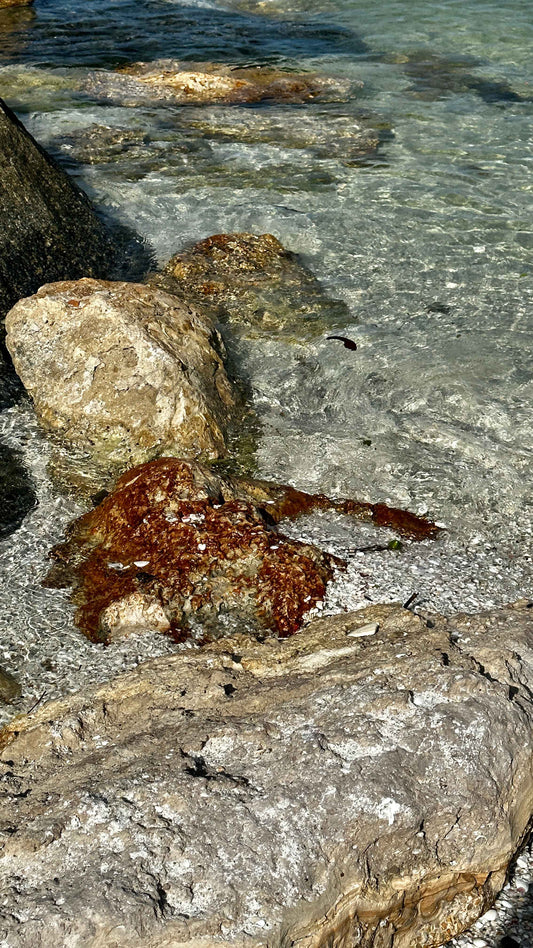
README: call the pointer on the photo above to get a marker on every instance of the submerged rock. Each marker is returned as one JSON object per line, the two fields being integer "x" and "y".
{"x": 10, "y": 688}
{"x": 172, "y": 81}
{"x": 17, "y": 496}
{"x": 123, "y": 370}
{"x": 328, "y": 789}
{"x": 252, "y": 281}
{"x": 176, "y": 548}
{"x": 48, "y": 230}
{"x": 326, "y": 134}
{"x": 433, "y": 76}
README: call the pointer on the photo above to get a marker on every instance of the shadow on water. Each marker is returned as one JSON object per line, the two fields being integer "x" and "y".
{"x": 17, "y": 496}
{"x": 106, "y": 34}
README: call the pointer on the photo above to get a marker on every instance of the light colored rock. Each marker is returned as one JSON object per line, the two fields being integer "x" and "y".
{"x": 322, "y": 790}
{"x": 169, "y": 80}
{"x": 123, "y": 370}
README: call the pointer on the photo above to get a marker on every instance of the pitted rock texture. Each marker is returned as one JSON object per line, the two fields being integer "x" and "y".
{"x": 122, "y": 370}
{"x": 48, "y": 230}
{"x": 168, "y": 80}
{"x": 252, "y": 281}
{"x": 177, "y": 548}
{"x": 321, "y": 790}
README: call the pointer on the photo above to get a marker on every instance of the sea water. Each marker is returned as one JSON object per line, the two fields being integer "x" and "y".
{"x": 428, "y": 242}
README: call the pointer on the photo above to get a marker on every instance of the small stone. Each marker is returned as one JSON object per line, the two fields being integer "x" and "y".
{"x": 369, "y": 629}
{"x": 489, "y": 916}
{"x": 479, "y": 943}
{"x": 508, "y": 942}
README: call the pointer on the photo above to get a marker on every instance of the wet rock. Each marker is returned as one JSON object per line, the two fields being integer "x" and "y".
{"x": 17, "y": 496}
{"x": 172, "y": 81}
{"x": 177, "y": 548}
{"x": 48, "y": 230}
{"x": 322, "y": 789}
{"x": 9, "y": 686}
{"x": 123, "y": 370}
{"x": 252, "y": 281}
{"x": 15, "y": 3}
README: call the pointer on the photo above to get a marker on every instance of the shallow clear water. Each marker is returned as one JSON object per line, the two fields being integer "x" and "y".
{"x": 429, "y": 243}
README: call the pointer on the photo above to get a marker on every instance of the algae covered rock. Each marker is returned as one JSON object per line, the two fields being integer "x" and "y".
{"x": 252, "y": 281}
{"x": 177, "y": 548}
{"x": 172, "y": 81}
{"x": 123, "y": 370}
{"x": 327, "y": 789}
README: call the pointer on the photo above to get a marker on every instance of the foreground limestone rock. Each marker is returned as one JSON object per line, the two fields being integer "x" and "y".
{"x": 333, "y": 788}
{"x": 125, "y": 370}
{"x": 168, "y": 80}
{"x": 252, "y": 281}
{"x": 177, "y": 549}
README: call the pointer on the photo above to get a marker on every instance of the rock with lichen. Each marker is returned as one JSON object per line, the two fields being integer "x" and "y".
{"x": 123, "y": 370}
{"x": 172, "y": 81}
{"x": 176, "y": 548}
{"x": 326, "y": 789}
{"x": 253, "y": 282}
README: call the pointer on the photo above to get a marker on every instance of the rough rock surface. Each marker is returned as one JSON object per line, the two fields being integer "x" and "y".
{"x": 122, "y": 369}
{"x": 48, "y": 230}
{"x": 176, "y": 548}
{"x": 333, "y": 788}
{"x": 15, "y": 3}
{"x": 168, "y": 80}
{"x": 252, "y": 281}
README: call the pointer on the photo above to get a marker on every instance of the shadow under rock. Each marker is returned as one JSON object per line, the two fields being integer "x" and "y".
{"x": 17, "y": 496}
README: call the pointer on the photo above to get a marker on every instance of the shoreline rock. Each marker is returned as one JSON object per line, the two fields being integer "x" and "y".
{"x": 48, "y": 229}
{"x": 122, "y": 370}
{"x": 322, "y": 789}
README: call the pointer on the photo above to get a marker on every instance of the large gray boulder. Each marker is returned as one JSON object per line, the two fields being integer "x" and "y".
{"x": 122, "y": 370}
{"x": 48, "y": 229}
{"x": 363, "y": 783}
